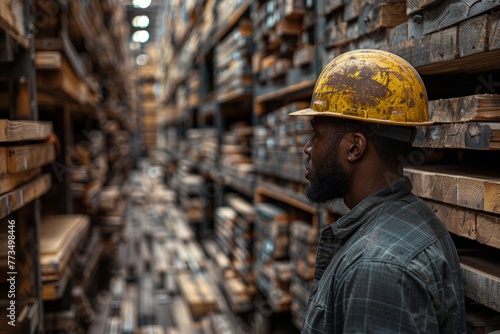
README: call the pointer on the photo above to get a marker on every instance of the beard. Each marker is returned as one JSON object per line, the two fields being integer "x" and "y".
{"x": 327, "y": 182}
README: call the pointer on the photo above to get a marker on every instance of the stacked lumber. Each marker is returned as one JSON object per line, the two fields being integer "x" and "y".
{"x": 278, "y": 144}
{"x": 110, "y": 216}
{"x": 119, "y": 151}
{"x": 201, "y": 145}
{"x": 357, "y": 24}
{"x": 225, "y": 222}
{"x": 234, "y": 236}
{"x": 190, "y": 187}
{"x": 441, "y": 37}
{"x": 89, "y": 168}
{"x": 233, "y": 63}
{"x": 236, "y": 159}
{"x": 28, "y": 146}
{"x": 60, "y": 237}
{"x": 150, "y": 104}
{"x": 193, "y": 88}
{"x": 228, "y": 13}
{"x": 243, "y": 235}
{"x": 303, "y": 239}
{"x": 282, "y": 43}
{"x": 272, "y": 269}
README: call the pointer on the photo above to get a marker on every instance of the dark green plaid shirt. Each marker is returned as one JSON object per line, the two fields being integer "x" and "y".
{"x": 388, "y": 266}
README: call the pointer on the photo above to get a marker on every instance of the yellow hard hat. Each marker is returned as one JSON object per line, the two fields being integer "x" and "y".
{"x": 371, "y": 86}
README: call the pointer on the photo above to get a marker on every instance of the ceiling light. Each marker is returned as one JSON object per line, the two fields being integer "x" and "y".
{"x": 141, "y": 3}
{"x": 141, "y": 36}
{"x": 141, "y": 21}
{"x": 142, "y": 60}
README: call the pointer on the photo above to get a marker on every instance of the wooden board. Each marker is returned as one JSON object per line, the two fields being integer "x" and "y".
{"x": 471, "y": 224}
{"x": 25, "y": 157}
{"x": 456, "y": 185}
{"x": 21, "y": 196}
{"x": 182, "y": 316}
{"x": 481, "y": 280}
{"x": 55, "y": 289}
{"x": 9, "y": 182}
{"x": 450, "y": 12}
{"x": 481, "y": 107}
{"x": 24, "y": 130}
{"x": 61, "y": 85}
{"x": 59, "y": 237}
{"x": 444, "y": 45}
{"x": 472, "y": 37}
{"x": 198, "y": 293}
{"x": 477, "y": 136}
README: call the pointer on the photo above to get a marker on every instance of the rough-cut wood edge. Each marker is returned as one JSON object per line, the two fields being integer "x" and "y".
{"x": 476, "y": 136}
{"x": 11, "y": 131}
{"x": 480, "y": 107}
{"x": 455, "y": 186}
{"x": 55, "y": 262}
{"x": 471, "y": 224}
{"x": 9, "y": 182}
{"x": 481, "y": 281}
{"x": 25, "y": 157}
{"x": 21, "y": 196}
{"x": 442, "y": 15}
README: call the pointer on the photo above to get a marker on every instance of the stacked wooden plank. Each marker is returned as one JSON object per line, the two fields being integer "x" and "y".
{"x": 29, "y": 145}
{"x": 278, "y": 144}
{"x": 60, "y": 237}
{"x": 236, "y": 159}
{"x": 225, "y": 222}
{"x": 201, "y": 144}
{"x": 283, "y": 49}
{"x": 303, "y": 239}
{"x": 149, "y": 104}
{"x": 273, "y": 270}
{"x": 233, "y": 63}
{"x": 191, "y": 187}
{"x": 441, "y": 37}
{"x": 89, "y": 170}
{"x": 240, "y": 285}
{"x": 357, "y": 24}
{"x": 234, "y": 236}
{"x": 110, "y": 215}
{"x": 243, "y": 234}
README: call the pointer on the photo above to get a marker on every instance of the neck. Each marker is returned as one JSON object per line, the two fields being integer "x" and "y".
{"x": 367, "y": 184}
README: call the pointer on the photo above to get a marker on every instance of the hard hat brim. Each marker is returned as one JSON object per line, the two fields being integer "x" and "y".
{"x": 311, "y": 112}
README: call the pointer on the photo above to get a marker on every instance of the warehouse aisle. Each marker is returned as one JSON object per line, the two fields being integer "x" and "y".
{"x": 165, "y": 282}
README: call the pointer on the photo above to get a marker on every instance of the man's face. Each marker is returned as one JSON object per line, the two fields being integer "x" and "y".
{"x": 327, "y": 178}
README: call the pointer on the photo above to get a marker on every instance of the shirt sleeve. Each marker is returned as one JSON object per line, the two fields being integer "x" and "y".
{"x": 379, "y": 297}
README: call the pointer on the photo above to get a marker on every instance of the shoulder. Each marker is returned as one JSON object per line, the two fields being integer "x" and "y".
{"x": 401, "y": 230}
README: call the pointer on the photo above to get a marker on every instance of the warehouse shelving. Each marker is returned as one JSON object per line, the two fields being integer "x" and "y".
{"x": 58, "y": 110}
{"x": 443, "y": 43}
{"x": 22, "y": 183}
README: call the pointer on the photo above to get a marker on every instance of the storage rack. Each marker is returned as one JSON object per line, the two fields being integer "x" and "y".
{"x": 292, "y": 42}
{"x": 66, "y": 142}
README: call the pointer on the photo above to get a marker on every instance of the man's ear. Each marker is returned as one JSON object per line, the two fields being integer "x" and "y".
{"x": 357, "y": 146}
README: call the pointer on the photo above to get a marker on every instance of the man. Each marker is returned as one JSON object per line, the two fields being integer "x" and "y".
{"x": 389, "y": 265}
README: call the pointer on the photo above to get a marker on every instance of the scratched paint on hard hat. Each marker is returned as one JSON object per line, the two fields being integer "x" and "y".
{"x": 370, "y": 84}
